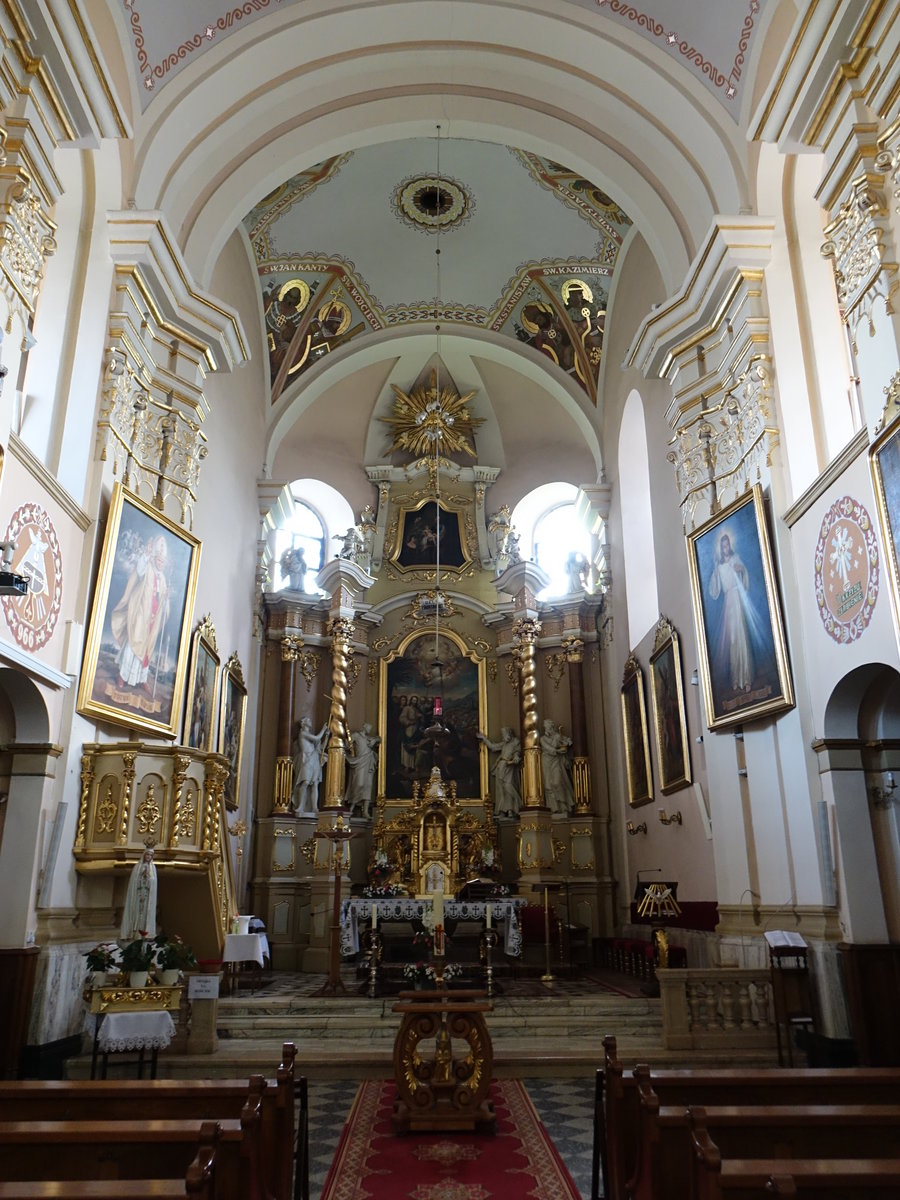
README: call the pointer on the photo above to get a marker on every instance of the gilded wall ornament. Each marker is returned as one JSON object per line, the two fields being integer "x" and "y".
{"x": 432, "y": 418}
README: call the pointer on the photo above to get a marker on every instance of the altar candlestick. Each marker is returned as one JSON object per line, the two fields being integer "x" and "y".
{"x": 374, "y": 915}
{"x": 487, "y": 915}
{"x": 439, "y": 908}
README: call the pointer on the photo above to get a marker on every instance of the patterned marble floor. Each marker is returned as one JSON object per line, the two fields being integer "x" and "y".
{"x": 565, "y": 1106}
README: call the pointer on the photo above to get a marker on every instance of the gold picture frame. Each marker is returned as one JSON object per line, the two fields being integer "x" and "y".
{"x": 415, "y": 538}
{"x": 201, "y": 706}
{"x": 637, "y": 742}
{"x": 232, "y": 718}
{"x": 137, "y": 643}
{"x": 673, "y": 753}
{"x": 884, "y": 462}
{"x": 423, "y": 667}
{"x": 740, "y": 633}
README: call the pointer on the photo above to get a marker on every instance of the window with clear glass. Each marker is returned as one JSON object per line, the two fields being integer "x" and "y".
{"x": 305, "y": 532}
{"x": 558, "y": 534}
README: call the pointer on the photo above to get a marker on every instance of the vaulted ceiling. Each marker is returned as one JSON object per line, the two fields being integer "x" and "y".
{"x": 349, "y": 140}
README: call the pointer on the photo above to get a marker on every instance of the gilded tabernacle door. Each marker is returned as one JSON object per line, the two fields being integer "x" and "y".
{"x": 432, "y": 704}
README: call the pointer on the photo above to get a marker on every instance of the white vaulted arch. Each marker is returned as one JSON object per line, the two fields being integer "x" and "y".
{"x": 400, "y": 71}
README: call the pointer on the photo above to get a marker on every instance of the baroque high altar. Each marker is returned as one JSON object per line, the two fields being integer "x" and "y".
{"x": 424, "y": 694}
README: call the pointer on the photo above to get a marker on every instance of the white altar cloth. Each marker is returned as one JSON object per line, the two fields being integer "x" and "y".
{"x": 118, "y": 1031}
{"x": 358, "y": 910}
{"x": 245, "y": 947}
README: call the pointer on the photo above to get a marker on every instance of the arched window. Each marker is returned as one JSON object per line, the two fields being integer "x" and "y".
{"x": 550, "y": 530}
{"x": 321, "y": 514}
{"x": 641, "y": 593}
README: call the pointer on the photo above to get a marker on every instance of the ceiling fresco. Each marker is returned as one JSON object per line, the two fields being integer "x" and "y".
{"x": 710, "y": 38}
{"x": 527, "y": 251}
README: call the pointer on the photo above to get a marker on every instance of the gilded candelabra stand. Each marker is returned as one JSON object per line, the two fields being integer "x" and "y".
{"x": 488, "y": 942}
{"x": 339, "y": 834}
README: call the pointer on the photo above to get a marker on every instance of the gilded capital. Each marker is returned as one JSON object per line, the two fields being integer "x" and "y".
{"x": 291, "y": 645}
{"x": 574, "y": 648}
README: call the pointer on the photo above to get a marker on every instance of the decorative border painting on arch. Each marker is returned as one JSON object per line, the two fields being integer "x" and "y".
{"x": 137, "y": 643}
{"x": 200, "y": 714}
{"x": 232, "y": 717}
{"x": 740, "y": 633}
{"x": 637, "y": 743}
{"x": 670, "y": 724}
{"x": 414, "y": 736}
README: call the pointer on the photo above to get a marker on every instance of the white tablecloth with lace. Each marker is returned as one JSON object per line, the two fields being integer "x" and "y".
{"x": 119, "y": 1031}
{"x": 358, "y": 910}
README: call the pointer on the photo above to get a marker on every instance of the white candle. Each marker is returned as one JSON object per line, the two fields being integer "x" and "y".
{"x": 439, "y": 908}
{"x": 374, "y": 915}
{"x": 487, "y": 915}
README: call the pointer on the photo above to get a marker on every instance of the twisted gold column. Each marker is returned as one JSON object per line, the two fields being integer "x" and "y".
{"x": 342, "y": 631}
{"x": 128, "y": 774}
{"x": 291, "y": 647}
{"x": 581, "y": 767}
{"x": 526, "y": 632}
{"x": 87, "y": 778}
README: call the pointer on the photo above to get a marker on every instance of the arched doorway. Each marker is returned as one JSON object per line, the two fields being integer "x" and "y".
{"x": 860, "y": 762}
{"x": 24, "y": 756}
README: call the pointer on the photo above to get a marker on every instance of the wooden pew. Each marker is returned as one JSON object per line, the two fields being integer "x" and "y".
{"x": 129, "y": 1149}
{"x": 715, "y": 1178}
{"x": 199, "y": 1181}
{"x": 617, "y": 1122}
{"x": 167, "y": 1099}
{"x": 670, "y": 1137}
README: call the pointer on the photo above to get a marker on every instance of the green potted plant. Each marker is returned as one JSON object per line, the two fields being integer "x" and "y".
{"x": 137, "y": 958}
{"x": 173, "y": 955}
{"x": 100, "y": 960}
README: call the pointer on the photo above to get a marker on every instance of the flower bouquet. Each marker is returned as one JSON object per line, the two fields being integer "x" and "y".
{"x": 102, "y": 959}
{"x": 172, "y": 955}
{"x": 384, "y": 891}
{"x": 137, "y": 959}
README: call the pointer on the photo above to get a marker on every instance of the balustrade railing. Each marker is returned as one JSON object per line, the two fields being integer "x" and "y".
{"x": 717, "y": 1006}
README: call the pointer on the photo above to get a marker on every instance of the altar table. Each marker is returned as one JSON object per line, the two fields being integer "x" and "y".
{"x": 358, "y": 911}
{"x": 244, "y": 947}
{"x": 115, "y": 1032}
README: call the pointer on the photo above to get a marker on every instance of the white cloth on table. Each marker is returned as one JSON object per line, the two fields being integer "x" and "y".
{"x": 246, "y": 947}
{"x": 152, "y": 1030}
{"x": 357, "y": 911}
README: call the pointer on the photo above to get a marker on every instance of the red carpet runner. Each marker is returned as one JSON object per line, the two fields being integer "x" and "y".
{"x": 374, "y": 1163}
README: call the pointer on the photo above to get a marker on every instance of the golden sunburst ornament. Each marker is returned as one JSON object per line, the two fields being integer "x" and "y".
{"x": 432, "y": 419}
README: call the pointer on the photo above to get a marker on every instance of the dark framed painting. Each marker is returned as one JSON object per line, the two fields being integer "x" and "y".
{"x": 432, "y": 706}
{"x": 637, "y": 743}
{"x": 884, "y": 460}
{"x": 419, "y": 532}
{"x": 669, "y": 720}
{"x": 201, "y": 713}
{"x": 740, "y": 633}
{"x": 232, "y": 717}
{"x": 137, "y": 643}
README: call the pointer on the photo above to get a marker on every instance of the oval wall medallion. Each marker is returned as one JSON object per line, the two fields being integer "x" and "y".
{"x": 32, "y": 618}
{"x": 430, "y": 203}
{"x": 846, "y": 570}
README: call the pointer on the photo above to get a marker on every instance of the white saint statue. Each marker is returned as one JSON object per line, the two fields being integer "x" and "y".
{"x": 507, "y": 797}
{"x": 362, "y": 763}
{"x": 139, "y": 914}
{"x": 559, "y": 795}
{"x": 309, "y": 756}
